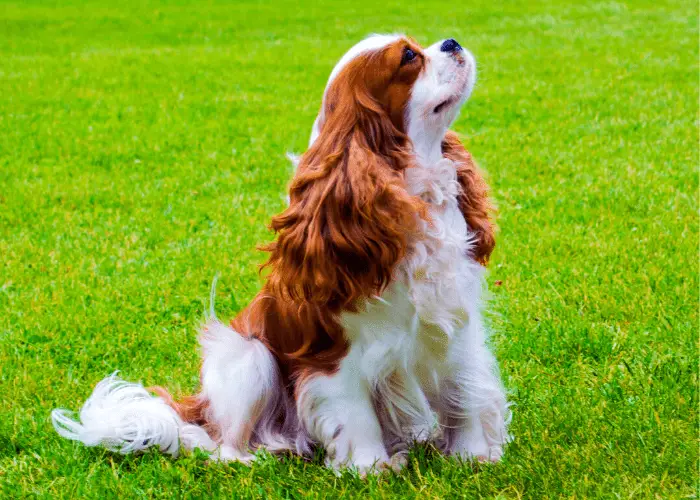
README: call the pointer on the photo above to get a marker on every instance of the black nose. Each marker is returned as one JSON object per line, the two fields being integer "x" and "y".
{"x": 450, "y": 45}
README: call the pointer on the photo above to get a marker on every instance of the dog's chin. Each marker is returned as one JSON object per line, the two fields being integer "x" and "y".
{"x": 446, "y": 109}
{"x": 453, "y": 101}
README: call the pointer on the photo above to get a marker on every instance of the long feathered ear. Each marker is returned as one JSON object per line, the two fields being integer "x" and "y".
{"x": 350, "y": 216}
{"x": 474, "y": 200}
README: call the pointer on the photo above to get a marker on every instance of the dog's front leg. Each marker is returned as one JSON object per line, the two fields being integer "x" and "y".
{"x": 337, "y": 412}
{"x": 475, "y": 410}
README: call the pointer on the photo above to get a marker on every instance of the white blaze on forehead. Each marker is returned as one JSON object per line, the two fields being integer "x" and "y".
{"x": 371, "y": 43}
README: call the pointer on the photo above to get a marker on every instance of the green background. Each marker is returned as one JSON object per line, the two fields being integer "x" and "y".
{"x": 142, "y": 151}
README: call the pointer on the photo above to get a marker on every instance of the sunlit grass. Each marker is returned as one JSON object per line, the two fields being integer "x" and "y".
{"x": 142, "y": 151}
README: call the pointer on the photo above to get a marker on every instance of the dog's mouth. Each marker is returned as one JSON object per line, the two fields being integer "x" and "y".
{"x": 457, "y": 98}
{"x": 444, "y": 104}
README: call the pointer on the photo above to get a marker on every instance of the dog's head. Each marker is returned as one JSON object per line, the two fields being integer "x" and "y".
{"x": 419, "y": 90}
{"x": 387, "y": 106}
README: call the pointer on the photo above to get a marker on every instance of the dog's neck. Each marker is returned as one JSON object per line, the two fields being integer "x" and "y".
{"x": 427, "y": 147}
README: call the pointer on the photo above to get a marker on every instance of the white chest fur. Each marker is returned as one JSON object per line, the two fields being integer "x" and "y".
{"x": 405, "y": 342}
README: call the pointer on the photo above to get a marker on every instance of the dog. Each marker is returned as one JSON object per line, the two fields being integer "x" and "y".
{"x": 367, "y": 335}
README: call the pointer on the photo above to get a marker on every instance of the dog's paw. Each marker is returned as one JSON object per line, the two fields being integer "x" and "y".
{"x": 478, "y": 444}
{"x": 381, "y": 465}
{"x": 397, "y": 462}
{"x": 483, "y": 438}
{"x": 492, "y": 454}
{"x": 341, "y": 454}
{"x": 227, "y": 453}
{"x": 476, "y": 448}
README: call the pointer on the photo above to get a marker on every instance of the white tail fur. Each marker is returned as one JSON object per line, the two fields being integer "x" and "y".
{"x": 212, "y": 298}
{"x": 124, "y": 417}
{"x": 247, "y": 405}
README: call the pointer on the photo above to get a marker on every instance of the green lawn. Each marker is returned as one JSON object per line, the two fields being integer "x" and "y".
{"x": 142, "y": 151}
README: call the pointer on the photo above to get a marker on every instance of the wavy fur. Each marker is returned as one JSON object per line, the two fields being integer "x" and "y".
{"x": 367, "y": 334}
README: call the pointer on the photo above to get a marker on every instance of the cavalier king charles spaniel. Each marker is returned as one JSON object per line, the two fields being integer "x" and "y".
{"x": 368, "y": 334}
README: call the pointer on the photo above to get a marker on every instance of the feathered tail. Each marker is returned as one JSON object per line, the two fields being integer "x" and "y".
{"x": 123, "y": 417}
{"x": 242, "y": 402}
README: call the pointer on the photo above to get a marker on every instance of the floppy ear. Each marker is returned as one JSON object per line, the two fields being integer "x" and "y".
{"x": 349, "y": 217}
{"x": 474, "y": 200}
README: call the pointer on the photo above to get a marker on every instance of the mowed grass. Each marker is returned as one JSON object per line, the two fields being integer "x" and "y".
{"x": 142, "y": 152}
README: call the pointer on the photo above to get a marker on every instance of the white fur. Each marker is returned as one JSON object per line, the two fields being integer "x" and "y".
{"x": 241, "y": 381}
{"x": 419, "y": 354}
{"x": 125, "y": 418}
{"x": 447, "y": 77}
{"x": 419, "y": 366}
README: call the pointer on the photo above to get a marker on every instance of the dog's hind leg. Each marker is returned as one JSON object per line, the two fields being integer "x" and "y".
{"x": 242, "y": 405}
{"x": 246, "y": 404}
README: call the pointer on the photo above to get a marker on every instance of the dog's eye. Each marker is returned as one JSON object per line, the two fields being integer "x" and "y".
{"x": 408, "y": 56}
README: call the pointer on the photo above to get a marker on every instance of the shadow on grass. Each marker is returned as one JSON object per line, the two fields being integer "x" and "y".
{"x": 10, "y": 447}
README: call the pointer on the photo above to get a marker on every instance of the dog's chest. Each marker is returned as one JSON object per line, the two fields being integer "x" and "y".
{"x": 413, "y": 326}
{"x": 444, "y": 282}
